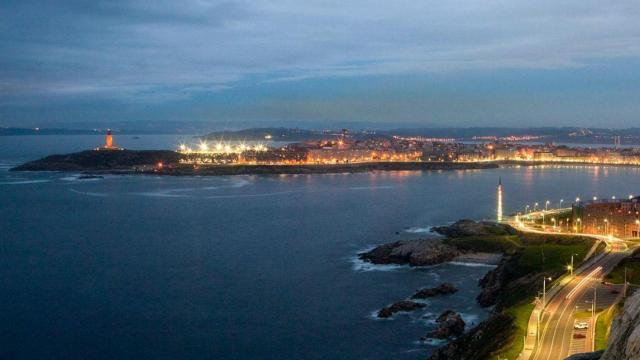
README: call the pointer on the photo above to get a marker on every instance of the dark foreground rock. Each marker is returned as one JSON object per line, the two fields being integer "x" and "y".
{"x": 442, "y": 289}
{"x": 412, "y": 252}
{"x": 492, "y": 284}
{"x": 586, "y": 356}
{"x": 465, "y": 227}
{"x": 480, "y": 342}
{"x": 449, "y": 323}
{"x": 400, "y": 306}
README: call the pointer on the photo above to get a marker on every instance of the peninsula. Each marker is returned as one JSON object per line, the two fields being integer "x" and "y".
{"x": 337, "y": 152}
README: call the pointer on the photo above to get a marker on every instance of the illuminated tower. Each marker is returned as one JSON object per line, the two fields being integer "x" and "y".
{"x": 499, "y": 212}
{"x": 108, "y": 141}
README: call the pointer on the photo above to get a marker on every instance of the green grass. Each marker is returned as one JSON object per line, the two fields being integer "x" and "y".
{"x": 537, "y": 255}
{"x": 495, "y": 244}
{"x": 603, "y": 326}
{"x": 521, "y": 314}
{"x": 548, "y": 259}
{"x": 532, "y": 256}
{"x": 616, "y": 276}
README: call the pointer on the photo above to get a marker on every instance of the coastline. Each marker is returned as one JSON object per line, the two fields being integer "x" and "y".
{"x": 165, "y": 162}
{"x": 506, "y": 288}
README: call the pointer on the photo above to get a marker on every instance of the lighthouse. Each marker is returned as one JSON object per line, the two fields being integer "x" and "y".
{"x": 108, "y": 140}
{"x": 499, "y": 205}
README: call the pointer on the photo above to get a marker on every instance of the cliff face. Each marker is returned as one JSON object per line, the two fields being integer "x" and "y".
{"x": 624, "y": 342}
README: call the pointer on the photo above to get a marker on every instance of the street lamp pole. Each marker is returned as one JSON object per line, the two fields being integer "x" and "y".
{"x": 544, "y": 292}
{"x": 571, "y": 264}
{"x": 593, "y": 312}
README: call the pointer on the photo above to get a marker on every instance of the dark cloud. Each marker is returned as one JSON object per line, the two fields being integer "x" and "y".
{"x": 143, "y": 51}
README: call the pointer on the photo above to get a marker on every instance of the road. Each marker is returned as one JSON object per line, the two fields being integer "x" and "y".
{"x": 557, "y": 321}
{"x": 559, "y": 317}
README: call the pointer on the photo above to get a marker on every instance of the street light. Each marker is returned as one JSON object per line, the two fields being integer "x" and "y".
{"x": 535, "y": 206}
{"x": 546, "y": 205}
{"x": 578, "y": 199}
{"x": 561, "y": 201}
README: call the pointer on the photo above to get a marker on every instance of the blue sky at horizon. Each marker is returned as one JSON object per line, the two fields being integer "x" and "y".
{"x": 418, "y": 63}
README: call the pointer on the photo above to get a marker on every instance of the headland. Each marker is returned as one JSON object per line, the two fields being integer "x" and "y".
{"x": 167, "y": 162}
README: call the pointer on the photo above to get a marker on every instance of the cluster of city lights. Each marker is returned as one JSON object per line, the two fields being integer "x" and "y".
{"x": 219, "y": 148}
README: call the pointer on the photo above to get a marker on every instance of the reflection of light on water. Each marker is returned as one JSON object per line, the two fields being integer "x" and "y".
{"x": 499, "y": 212}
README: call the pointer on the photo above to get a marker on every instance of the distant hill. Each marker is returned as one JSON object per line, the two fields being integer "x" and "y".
{"x": 283, "y": 134}
{"x": 11, "y": 131}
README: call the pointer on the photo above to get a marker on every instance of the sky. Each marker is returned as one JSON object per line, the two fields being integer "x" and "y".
{"x": 306, "y": 63}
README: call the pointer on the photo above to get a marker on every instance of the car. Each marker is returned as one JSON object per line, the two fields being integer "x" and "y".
{"x": 581, "y": 325}
{"x": 579, "y": 336}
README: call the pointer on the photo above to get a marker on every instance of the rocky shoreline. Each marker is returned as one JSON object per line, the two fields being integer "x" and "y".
{"x": 428, "y": 252}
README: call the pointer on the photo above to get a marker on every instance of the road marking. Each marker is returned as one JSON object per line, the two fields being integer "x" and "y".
{"x": 582, "y": 282}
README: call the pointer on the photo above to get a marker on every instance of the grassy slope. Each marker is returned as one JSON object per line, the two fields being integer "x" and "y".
{"x": 532, "y": 255}
{"x": 633, "y": 272}
{"x": 603, "y": 326}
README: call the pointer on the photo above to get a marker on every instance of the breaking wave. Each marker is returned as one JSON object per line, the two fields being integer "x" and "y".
{"x": 88, "y": 193}
{"x": 24, "y": 182}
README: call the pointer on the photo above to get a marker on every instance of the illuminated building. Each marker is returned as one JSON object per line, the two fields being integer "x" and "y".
{"x": 620, "y": 218}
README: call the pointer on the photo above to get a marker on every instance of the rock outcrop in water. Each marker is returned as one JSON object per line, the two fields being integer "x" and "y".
{"x": 465, "y": 227}
{"x": 624, "y": 341}
{"x": 411, "y": 252}
{"x": 442, "y": 289}
{"x": 449, "y": 323}
{"x": 479, "y": 342}
{"x": 400, "y": 306}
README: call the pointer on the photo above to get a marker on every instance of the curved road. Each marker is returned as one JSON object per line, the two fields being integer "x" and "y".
{"x": 558, "y": 318}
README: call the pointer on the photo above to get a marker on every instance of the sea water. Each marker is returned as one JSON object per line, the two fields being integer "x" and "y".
{"x": 246, "y": 267}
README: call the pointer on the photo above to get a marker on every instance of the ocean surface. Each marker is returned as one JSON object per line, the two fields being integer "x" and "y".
{"x": 247, "y": 267}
